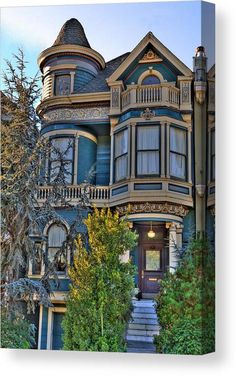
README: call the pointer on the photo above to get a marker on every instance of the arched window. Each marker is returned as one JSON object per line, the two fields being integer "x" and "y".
{"x": 61, "y": 160}
{"x": 151, "y": 80}
{"x": 56, "y": 237}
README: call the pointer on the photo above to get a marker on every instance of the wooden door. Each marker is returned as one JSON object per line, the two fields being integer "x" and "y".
{"x": 153, "y": 258}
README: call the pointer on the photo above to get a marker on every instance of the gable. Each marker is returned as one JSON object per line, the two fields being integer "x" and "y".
{"x": 150, "y": 52}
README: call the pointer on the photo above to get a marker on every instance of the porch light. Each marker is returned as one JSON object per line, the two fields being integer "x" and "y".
{"x": 151, "y": 234}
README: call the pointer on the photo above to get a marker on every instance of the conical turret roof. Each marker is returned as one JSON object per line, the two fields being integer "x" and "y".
{"x": 72, "y": 32}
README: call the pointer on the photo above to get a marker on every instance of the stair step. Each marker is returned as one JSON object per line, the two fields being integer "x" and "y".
{"x": 140, "y": 350}
{"x": 143, "y": 304}
{"x": 145, "y": 321}
{"x": 149, "y": 339}
{"x": 145, "y": 315}
{"x": 144, "y": 310}
{"x": 136, "y": 332}
{"x": 141, "y": 344}
{"x": 143, "y": 326}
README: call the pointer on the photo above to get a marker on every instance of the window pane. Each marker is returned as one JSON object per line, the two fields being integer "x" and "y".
{"x": 62, "y": 145}
{"x": 62, "y": 85}
{"x": 153, "y": 260}
{"x": 213, "y": 167}
{"x": 60, "y": 262}
{"x": 178, "y": 140}
{"x": 61, "y": 174}
{"x": 121, "y": 143}
{"x": 121, "y": 167}
{"x": 213, "y": 143}
{"x": 151, "y": 80}
{"x": 56, "y": 236}
{"x": 177, "y": 166}
{"x": 148, "y": 138}
{"x": 148, "y": 162}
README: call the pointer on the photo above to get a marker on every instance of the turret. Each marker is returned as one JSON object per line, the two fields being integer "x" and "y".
{"x": 70, "y": 63}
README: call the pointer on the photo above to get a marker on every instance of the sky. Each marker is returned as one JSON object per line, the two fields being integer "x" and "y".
{"x": 112, "y": 29}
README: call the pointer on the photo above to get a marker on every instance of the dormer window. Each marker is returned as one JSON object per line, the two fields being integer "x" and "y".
{"x": 62, "y": 84}
{"x": 151, "y": 80}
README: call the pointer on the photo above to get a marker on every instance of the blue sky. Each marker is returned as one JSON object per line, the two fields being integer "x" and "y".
{"x": 112, "y": 29}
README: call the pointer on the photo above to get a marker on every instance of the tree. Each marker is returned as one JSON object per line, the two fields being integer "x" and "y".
{"x": 24, "y": 154}
{"x": 99, "y": 302}
{"x": 186, "y": 303}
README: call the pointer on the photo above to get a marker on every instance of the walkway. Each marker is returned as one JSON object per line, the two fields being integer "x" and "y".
{"x": 142, "y": 327}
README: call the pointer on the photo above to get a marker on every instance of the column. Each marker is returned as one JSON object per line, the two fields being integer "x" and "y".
{"x": 129, "y": 150}
{"x": 179, "y": 236}
{"x": 112, "y": 155}
{"x": 173, "y": 256}
{"x": 72, "y": 80}
{"x": 167, "y": 150}
{"x": 190, "y": 154}
{"x": 133, "y": 151}
{"x": 163, "y": 149}
{"x": 76, "y": 157}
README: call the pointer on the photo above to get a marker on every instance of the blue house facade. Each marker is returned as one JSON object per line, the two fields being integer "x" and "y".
{"x": 146, "y": 122}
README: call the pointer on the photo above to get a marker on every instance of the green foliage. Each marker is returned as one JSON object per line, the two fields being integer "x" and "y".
{"x": 186, "y": 304}
{"x": 16, "y": 333}
{"x": 99, "y": 302}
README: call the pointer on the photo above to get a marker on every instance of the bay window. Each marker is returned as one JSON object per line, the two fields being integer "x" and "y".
{"x": 121, "y": 155}
{"x": 148, "y": 150}
{"x": 61, "y": 160}
{"x": 178, "y": 153}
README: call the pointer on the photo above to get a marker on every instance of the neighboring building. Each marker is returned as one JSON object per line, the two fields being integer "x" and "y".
{"x": 147, "y": 122}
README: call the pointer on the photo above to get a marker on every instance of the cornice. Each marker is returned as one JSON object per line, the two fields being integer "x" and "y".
{"x": 70, "y": 48}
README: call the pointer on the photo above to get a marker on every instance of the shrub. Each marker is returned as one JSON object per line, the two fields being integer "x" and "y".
{"x": 99, "y": 302}
{"x": 186, "y": 304}
{"x": 16, "y": 333}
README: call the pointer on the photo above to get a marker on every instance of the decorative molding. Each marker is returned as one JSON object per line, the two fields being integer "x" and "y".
{"x": 147, "y": 207}
{"x": 77, "y": 114}
{"x": 200, "y": 188}
{"x": 213, "y": 210}
{"x": 150, "y": 56}
{"x": 147, "y": 114}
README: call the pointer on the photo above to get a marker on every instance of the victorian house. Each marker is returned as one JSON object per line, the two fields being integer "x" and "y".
{"x": 146, "y": 121}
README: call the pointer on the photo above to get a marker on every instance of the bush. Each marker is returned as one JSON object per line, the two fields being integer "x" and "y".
{"x": 16, "y": 333}
{"x": 186, "y": 304}
{"x": 99, "y": 302}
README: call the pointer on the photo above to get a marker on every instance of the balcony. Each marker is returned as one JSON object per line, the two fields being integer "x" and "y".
{"x": 164, "y": 94}
{"x": 131, "y": 190}
{"x": 96, "y": 195}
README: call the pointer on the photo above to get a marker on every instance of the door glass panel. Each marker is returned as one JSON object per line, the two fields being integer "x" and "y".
{"x": 152, "y": 259}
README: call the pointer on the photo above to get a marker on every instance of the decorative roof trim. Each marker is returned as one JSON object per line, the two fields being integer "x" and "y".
{"x": 150, "y": 38}
{"x": 73, "y": 49}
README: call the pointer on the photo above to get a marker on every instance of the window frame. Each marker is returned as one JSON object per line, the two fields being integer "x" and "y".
{"x": 60, "y": 272}
{"x": 69, "y": 137}
{"x": 58, "y": 75}
{"x": 121, "y": 155}
{"x": 186, "y": 156}
{"x": 145, "y": 125}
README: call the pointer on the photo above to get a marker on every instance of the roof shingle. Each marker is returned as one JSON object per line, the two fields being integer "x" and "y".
{"x": 72, "y": 32}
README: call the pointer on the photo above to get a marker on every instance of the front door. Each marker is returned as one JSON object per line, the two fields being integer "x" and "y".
{"x": 153, "y": 258}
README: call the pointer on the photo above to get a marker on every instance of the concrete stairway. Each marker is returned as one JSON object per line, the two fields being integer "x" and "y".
{"x": 142, "y": 327}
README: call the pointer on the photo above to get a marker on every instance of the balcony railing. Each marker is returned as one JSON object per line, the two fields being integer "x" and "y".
{"x": 101, "y": 193}
{"x": 146, "y": 95}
